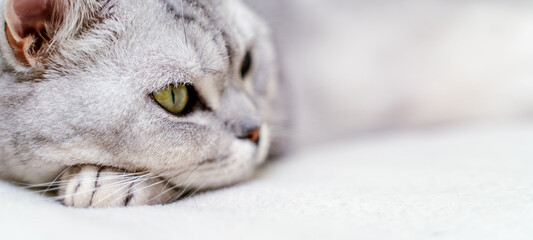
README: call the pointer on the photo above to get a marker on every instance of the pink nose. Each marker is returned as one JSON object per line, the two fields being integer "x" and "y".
{"x": 254, "y": 135}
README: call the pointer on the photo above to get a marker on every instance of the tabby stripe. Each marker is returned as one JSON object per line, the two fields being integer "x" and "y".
{"x": 95, "y": 185}
{"x": 178, "y": 15}
{"x": 129, "y": 195}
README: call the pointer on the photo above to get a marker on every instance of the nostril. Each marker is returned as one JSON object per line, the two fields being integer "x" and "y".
{"x": 253, "y": 135}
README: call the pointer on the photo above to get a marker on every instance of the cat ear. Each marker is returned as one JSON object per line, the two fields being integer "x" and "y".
{"x": 30, "y": 24}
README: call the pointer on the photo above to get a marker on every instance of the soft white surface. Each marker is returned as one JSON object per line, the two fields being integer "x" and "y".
{"x": 460, "y": 183}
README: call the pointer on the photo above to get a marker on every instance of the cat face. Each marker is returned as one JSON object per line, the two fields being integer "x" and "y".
{"x": 183, "y": 89}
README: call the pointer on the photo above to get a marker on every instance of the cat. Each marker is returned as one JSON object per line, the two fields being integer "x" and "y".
{"x": 126, "y": 103}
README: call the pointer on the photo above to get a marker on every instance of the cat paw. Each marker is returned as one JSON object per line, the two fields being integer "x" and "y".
{"x": 101, "y": 187}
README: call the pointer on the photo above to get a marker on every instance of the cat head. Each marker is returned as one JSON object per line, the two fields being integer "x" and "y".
{"x": 181, "y": 88}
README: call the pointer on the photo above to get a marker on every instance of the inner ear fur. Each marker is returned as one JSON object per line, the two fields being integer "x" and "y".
{"x": 30, "y": 24}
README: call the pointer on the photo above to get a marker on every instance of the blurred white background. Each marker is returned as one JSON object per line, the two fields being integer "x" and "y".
{"x": 357, "y": 66}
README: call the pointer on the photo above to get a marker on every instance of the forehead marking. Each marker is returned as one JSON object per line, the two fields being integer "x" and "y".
{"x": 200, "y": 10}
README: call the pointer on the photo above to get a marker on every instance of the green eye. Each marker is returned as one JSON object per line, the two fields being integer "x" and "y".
{"x": 173, "y": 98}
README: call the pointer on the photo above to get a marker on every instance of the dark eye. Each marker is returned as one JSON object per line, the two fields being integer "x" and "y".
{"x": 246, "y": 64}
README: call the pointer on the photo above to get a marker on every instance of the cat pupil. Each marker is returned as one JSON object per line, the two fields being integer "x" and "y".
{"x": 246, "y": 64}
{"x": 173, "y": 96}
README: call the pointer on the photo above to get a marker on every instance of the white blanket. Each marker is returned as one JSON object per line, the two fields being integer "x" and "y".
{"x": 460, "y": 183}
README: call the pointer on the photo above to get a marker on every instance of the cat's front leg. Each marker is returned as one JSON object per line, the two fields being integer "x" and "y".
{"x": 100, "y": 187}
